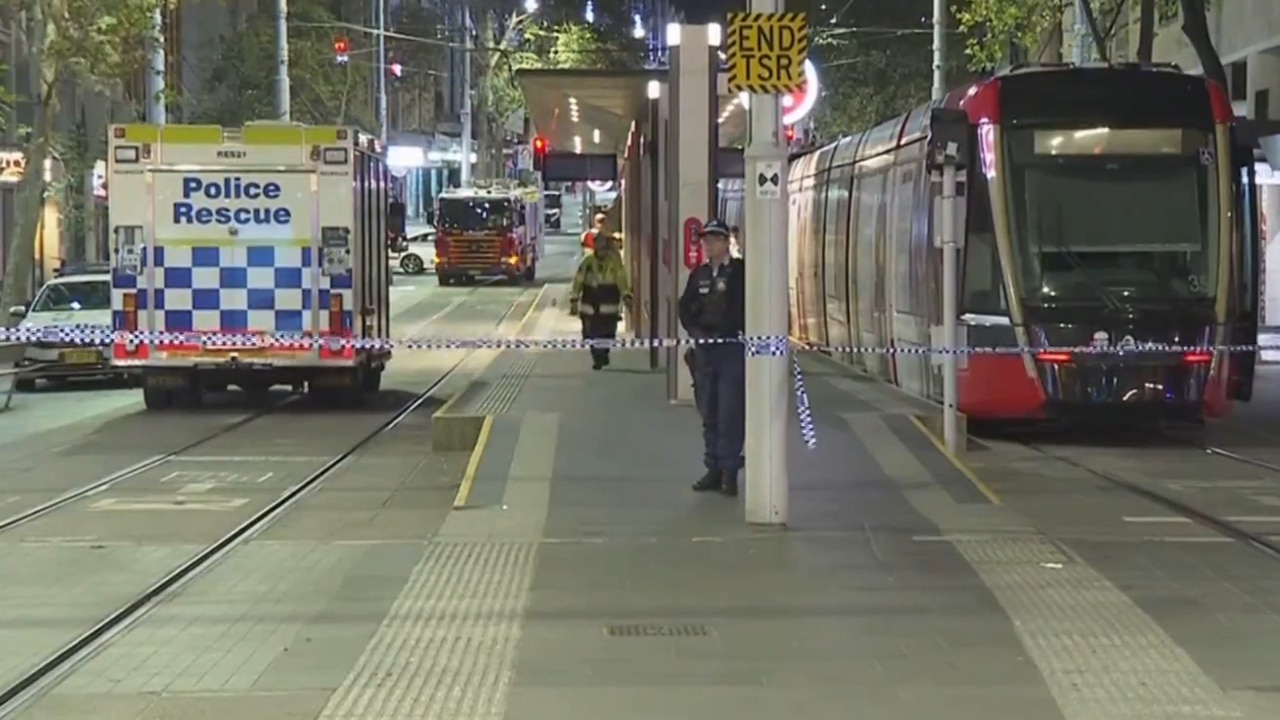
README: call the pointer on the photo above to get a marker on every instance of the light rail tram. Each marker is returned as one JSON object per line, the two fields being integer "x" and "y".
{"x": 1105, "y": 207}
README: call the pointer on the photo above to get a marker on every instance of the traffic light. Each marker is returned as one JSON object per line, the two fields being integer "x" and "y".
{"x": 791, "y": 134}
{"x": 341, "y": 51}
{"x": 396, "y": 69}
{"x": 539, "y": 153}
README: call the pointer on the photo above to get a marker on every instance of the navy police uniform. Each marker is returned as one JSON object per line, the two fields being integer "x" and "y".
{"x": 713, "y": 305}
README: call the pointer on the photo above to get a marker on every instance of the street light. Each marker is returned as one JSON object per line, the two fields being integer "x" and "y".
{"x": 637, "y": 27}
{"x": 531, "y": 6}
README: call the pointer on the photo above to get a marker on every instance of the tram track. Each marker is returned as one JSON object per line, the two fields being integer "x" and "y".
{"x": 138, "y": 469}
{"x": 1211, "y": 521}
{"x": 32, "y": 683}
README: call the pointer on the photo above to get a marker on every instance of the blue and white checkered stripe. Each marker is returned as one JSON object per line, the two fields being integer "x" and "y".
{"x": 804, "y": 413}
{"x": 231, "y": 289}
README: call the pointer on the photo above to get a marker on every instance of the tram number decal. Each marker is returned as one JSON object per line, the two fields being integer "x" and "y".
{"x": 1194, "y": 283}
{"x": 1206, "y": 156}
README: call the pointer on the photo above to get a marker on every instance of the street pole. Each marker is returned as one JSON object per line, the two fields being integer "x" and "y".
{"x": 950, "y": 310}
{"x": 155, "y": 71}
{"x": 380, "y": 9}
{"x": 465, "y": 174}
{"x": 768, "y": 375}
{"x": 948, "y": 154}
{"x": 283, "y": 91}
{"x": 945, "y": 175}
{"x": 939, "y": 49}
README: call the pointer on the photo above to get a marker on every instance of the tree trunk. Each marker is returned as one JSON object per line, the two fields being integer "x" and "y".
{"x": 1095, "y": 30}
{"x": 29, "y": 204}
{"x": 1146, "y": 31}
{"x": 1195, "y": 26}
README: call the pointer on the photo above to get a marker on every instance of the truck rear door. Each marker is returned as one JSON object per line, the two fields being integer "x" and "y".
{"x": 236, "y": 252}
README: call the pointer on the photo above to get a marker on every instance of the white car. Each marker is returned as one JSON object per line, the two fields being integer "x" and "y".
{"x": 419, "y": 254}
{"x": 74, "y": 298}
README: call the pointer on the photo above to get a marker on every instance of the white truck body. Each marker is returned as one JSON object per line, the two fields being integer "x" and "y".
{"x": 252, "y": 256}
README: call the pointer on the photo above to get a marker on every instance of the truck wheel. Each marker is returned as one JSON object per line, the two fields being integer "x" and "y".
{"x": 24, "y": 384}
{"x": 371, "y": 380}
{"x": 444, "y": 280}
{"x": 157, "y": 398}
{"x": 191, "y": 398}
{"x": 531, "y": 272}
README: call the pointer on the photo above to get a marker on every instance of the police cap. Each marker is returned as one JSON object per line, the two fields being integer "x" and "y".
{"x": 715, "y": 227}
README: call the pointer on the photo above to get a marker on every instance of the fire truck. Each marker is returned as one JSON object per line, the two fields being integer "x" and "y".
{"x": 493, "y": 231}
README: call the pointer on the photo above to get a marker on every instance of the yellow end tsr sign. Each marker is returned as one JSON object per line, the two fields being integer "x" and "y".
{"x": 766, "y": 52}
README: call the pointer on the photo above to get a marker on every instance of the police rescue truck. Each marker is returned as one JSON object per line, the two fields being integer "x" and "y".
{"x": 251, "y": 256}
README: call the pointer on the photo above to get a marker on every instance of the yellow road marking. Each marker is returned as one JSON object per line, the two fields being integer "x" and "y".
{"x": 473, "y": 464}
{"x": 956, "y": 462}
{"x": 486, "y": 427}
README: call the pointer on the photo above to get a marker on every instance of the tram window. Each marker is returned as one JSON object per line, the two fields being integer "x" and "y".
{"x": 983, "y": 282}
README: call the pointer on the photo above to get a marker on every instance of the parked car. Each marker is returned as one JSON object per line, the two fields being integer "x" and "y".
{"x": 77, "y": 296}
{"x": 418, "y": 255}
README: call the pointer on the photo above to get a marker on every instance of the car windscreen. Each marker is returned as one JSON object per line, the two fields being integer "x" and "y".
{"x": 70, "y": 296}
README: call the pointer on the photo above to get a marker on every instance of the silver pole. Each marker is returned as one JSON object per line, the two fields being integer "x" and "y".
{"x": 939, "y": 49}
{"x": 380, "y": 7}
{"x": 950, "y": 311}
{"x": 155, "y": 73}
{"x": 768, "y": 378}
{"x": 283, "y": 92}
{"x": 465, "y": 174}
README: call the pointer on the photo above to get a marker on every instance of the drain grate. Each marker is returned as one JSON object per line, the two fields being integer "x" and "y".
{"x": 637, "y": 631}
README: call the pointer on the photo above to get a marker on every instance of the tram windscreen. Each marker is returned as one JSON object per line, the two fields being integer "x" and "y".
{"x": 1129, "y": 214}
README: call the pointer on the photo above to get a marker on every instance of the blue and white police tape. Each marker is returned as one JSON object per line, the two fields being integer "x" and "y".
{"x": 804, "y": 414}
{"x": 775, "y": 346}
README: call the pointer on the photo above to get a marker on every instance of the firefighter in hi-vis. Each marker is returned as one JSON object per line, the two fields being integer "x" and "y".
{"x": 601, "y": 287}
{"x": 599, "y": 229}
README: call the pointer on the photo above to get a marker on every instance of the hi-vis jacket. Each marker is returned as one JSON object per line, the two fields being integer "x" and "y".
{"x": 601, "y": 285}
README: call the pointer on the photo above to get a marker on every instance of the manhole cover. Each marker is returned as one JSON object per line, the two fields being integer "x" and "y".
{"x": 633, "y": 631}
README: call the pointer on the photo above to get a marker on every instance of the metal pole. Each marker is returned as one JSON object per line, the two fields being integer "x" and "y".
{"x": 465, "y": 174}
{"x": 939, "y": 49}
{"x": 283, "y": 91}
{"x": 768, "y": 375}
{"x": 155, "y": 73}
{"x": 655, "y": 233}
{"x": 380, "y": 7}
{"x": 950, "y": 311}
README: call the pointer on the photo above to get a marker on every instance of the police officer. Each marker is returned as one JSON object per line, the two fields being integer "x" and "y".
{"x": 713, "y": 306}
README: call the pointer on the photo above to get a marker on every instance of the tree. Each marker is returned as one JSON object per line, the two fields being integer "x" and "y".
{"x": 240, "y": 71}
{"x": 1195, "y": 26}
{"x": 873, "y": 60}
{"x": 418, "y": 49}
{"x": 96, "y": 43}
{"x": 997, "y": 29}
{"x": 867, "y": 82}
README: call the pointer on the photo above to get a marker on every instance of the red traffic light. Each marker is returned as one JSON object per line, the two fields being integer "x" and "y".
{"x": 341, "y": 46}
{"x": 397, "y": 70}
{"x": 791, "y": 133}
{"x": 539, "y": 145}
